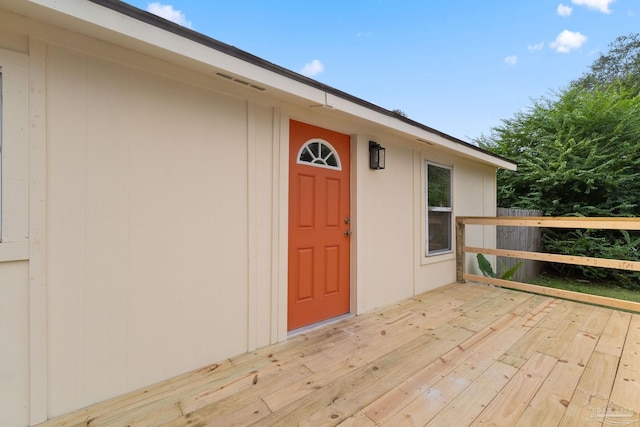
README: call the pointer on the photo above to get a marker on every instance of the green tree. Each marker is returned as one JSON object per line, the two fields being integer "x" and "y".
{"x": 620, "y": 64}
{"x": 577, "y": 154}
{"x": 574, "y": 154}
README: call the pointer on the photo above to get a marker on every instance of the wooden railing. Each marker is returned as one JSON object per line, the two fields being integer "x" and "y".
{"x": 547, "y": 222}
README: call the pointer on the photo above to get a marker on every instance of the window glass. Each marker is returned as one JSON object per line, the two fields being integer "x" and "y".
{"x": 439, "y": 191}
{"x": 439, "y": 210}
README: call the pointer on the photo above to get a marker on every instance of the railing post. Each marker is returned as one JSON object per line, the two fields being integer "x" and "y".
{"x": 460, "y": 249}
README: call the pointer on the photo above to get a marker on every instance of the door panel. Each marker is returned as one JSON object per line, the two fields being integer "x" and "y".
{"x": 332, "y": 204}
{"x": 306, "y": 201}
{"x": 319, "y": 224}
{"x": 304, "y": 275}
{"x": 332, "y": 270}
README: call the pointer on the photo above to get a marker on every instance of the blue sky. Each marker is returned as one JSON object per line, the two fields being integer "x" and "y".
{"x": 459, "y": 66}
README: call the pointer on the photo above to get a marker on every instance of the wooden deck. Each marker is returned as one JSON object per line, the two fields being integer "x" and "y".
{"x": 465, "y": 354}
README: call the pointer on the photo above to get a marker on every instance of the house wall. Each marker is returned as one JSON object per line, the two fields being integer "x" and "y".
{"x": 147, "y": 218}
{"x": 386, "y": 235}
{"x": 391, "y": 207}
{"x": 146, "y": 234}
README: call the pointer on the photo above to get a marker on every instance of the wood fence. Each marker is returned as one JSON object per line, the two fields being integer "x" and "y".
{"x": 548, "y": 222}
{"x": 519, "y": 239}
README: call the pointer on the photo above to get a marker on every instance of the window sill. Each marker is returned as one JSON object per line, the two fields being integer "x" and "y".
{"x": 433, "y": 259}
{"x": 14, "y": 251}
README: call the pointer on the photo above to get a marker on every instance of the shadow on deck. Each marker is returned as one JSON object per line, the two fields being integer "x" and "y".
{"x": 463, "y": 354}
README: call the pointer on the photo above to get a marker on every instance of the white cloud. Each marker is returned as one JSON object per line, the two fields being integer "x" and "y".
{"x": 535, "y": 47}
{"x": 600, "y": 5}
{"x": 567, "y": 41}
{"x": 167, "y": 12}
{"x": 312, "y": 68}
{"x": 364, "y": 34}
{"x": 564, "y": 10}
{"x": 511, "y": 60}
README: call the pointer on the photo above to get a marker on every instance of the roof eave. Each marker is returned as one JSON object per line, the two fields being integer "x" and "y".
{"x": 154, "y": 31}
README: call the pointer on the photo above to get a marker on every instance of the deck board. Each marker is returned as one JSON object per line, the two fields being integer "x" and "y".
{"x": 550, "y": 403}
{"x": 507, "y": 407}
{"x": 472, "y": 354}
{"x": 463, "y": 354}
{"x": 466, "y": 407}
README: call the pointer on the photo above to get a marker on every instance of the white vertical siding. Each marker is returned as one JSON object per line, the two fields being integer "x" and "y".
{"x": 481, "y": 200}
{"x": 14, "y": 246}
{"x": 147, "y": 222}
{"x": 263, "y": 208}
{"x": 14, "y": 351}
{"x": 388, "y": 230}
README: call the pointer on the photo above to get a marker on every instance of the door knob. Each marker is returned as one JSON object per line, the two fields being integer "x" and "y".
{"x": 347, "y": 233}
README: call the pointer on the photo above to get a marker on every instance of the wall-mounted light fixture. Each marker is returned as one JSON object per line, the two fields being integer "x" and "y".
{"x": 376, "y": 155}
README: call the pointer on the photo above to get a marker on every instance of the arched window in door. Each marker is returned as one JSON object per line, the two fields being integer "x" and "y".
{"x": 320, "y": 153}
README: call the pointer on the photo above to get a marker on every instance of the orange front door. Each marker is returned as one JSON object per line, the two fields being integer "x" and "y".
{"x": 319, "y": 224}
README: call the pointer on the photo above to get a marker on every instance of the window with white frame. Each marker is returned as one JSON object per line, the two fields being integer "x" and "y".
{"x": 320, "y": 153}
{"x": 439, "y": 214}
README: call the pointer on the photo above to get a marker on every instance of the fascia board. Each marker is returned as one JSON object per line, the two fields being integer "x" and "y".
{"x": 416, "y": 133}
